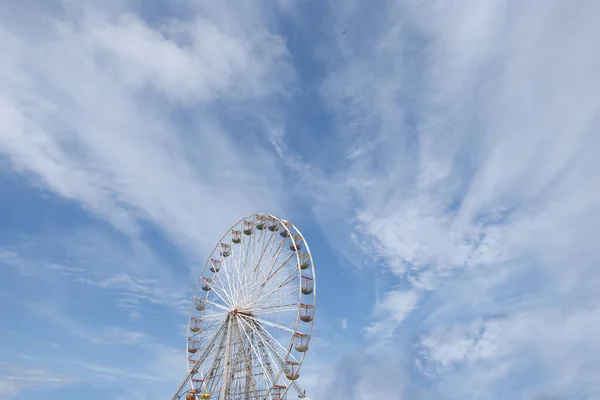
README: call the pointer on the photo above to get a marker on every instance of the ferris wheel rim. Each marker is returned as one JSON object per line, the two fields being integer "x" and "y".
{"x": 301, "y": 274}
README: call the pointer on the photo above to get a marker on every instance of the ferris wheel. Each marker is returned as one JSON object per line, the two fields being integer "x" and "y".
{"x": 252, "y": 314}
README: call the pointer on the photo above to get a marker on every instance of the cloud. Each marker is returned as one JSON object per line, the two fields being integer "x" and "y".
{"x": 115, "y": 373}
{"x": 368, "y": 377}
{"x": 12, "y": 259}
{"x": 155, "y": 374}
{"x": 152, "y": 125}
{"x": 119, "y": 336}
{"x": 458, "y": 179}
{"x": 344, "y": 323}
{"x": 131, "y": 293}
{"x": 14, "y": 378}
{"x": 129, "y": 273}
{"x": 393, "y": 310}
{"x": 96, "y": 335}
{"x": 469, "y": 134}
{"x": 198, "y": 61}
{"x": 118, "y": 115}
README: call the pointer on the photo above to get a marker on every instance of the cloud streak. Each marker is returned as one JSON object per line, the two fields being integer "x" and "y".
{"x": 123, "y": 153}
{"x": 457, "y": 179}
{"x": 15, "y": 378}
{"x": 471, "y": 149}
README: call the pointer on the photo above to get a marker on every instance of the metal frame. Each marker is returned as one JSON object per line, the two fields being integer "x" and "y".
{"x": 248, "y": 330}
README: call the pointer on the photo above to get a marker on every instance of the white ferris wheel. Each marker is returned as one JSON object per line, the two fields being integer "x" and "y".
{"x": 252, "y": 314}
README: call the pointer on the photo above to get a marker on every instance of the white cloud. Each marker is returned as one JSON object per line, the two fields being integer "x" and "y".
{"x": 12, "y": 259}
{"x": 368, "y": 377}
{"x": 471, "y": 135}
{"x": 392, "y": 311}
{"x": 132, "y": 292}
{"x": 198, "y": 61}
{"x": 154, "y": 375}
{"x": 119, "y": 336}
{"x": 91, "y": 335}
{"x": 471, "y": 151}
{"x": 95, "y": 109}
{"x": 129, "y": 273}
{"x": 145, "y": 124}
{"x": 14, "y": 378}
{"x": 115, "y": 373}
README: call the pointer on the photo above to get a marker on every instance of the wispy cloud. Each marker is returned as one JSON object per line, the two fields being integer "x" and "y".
{"x": 344, "y": 324}
{"x": 133, "y": 293}
{"x": 14, "y": 378}
{"x": 115, "y": 373}
{"x": 94, "y": 335}
{"x": 471, "y": 148}
{"x": 458, "y": 180}
{"x": 392, "y": 311}
{"x": 13, "y": 260}
{"x": 123, "y": 153}
{"x": 119, "y": 336}
{"x": 97, "y": 260}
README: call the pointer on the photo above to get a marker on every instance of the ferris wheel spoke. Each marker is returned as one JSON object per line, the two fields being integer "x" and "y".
{"x": 250, "y": 283}
{"x": 294, "y": 290}
{"x": 213, "y": 376}
{"x": 276, "y": 311}
{"x": 267, "y": 250}
{"x": 237, "y": 281}
{"x": 273, "y": 303}
{"x": 247, "y": 249}
{"x": 268, "y": 375}
{"x": 270, "y": 338}
{"x": 252, "y": 247}
{"x": 275, "y": 308}
{"x": 289, "y": 279}
{"x": 269, "y": 300}
{"x": 270, "y": 250}
{"x": 268, "y": 349}
{"x": 252, "y": 270}
{"x": 214, "y": 317}
{"x": 261, "y": 276}
{"x": 216, "y": 292}
{"x": 203, "y": 330}
{"x": 272, "y": 274}
{"x": 228, "y": 294}
{"x": 271, "y": 314}
{"x": 257, "y": 250}
{"x": 248, "y": 262}
{"x": 266, "y": 245}
{"x": 226, "y": 368}
{"x": 249, "y": 259}
{"x": 271, "y": 324}
{"x": 249, "y": 368}
{"x": 217, "y": 305}
{"x": 275, "y": 258}
{"x": 267, "y": 360}
{"x": 294, "y": 383}
{"x": 206, "y": 351}
{"x": 228, "y": 278}
{"x": 236, "y": 267}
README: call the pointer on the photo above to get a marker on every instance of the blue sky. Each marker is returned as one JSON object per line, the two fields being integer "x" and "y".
{"x": 440, "y": 159}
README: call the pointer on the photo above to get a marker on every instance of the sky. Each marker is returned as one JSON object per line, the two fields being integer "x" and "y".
{"x": 439, "y": 158}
